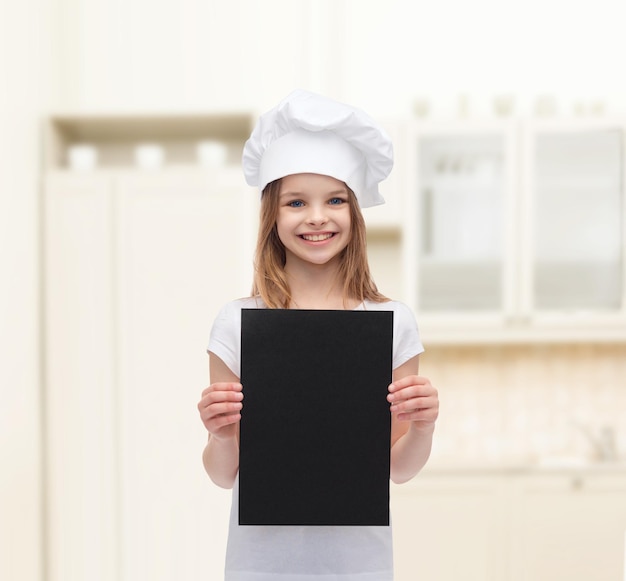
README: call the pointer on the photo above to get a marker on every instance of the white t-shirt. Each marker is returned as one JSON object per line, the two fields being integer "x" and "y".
{"x": 307, "y": 553}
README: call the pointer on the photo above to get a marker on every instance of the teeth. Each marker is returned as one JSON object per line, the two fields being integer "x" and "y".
{"x": 316, "y": 237}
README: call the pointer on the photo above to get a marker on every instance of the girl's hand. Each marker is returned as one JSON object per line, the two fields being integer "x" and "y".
{"x": 414, "y": 399}
{"x": 220, "y": 409}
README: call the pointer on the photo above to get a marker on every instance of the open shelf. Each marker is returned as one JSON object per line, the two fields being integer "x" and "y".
{"x": 115, "y": 137}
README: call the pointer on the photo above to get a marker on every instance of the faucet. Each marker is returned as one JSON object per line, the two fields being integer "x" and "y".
{"x": 602, "y": 443}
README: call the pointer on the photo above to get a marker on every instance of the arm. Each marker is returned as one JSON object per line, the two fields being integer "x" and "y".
{"x": 415, "y": 406}
{"x": 220, "y": 411}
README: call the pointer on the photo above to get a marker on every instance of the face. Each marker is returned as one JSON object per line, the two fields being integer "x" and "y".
{"x": 313, "y": 220}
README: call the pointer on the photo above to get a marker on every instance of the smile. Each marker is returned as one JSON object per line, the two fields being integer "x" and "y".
{"x": 317, "y": 237}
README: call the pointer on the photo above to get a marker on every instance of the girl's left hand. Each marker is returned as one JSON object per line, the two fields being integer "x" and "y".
{"x": 414, "y": 399}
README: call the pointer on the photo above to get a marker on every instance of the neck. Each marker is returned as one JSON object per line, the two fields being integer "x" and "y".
{"x": 316, "y": 287}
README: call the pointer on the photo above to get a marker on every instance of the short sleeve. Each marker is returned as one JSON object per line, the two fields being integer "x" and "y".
{"x": 406, "y": 338}
{"x": 225, "y": 337}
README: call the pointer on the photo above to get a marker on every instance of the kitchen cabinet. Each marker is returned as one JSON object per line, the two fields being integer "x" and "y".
{"x": 511, "y": 524}
{"x": 136, "y": 268}
{"x": 79, "y": 380}
{"x": 515, "y": 231}
{"x": 137, "y": 263}
{"x": 180, "y": 255}
{"x": 448, "y": 528}
{"x": 461, "y": 207}
{"x": 574, "y": 214}
{"x": 569, "y": 526}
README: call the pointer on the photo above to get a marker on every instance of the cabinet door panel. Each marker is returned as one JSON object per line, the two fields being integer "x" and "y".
{"x": 447, "y": 529}
{"x": 79, "y": 379}
{"x": 571, "y": 528}
{"x": 578, "y": 220}
{"x": 464, "y": 198}
{"x": 179, "y": 258}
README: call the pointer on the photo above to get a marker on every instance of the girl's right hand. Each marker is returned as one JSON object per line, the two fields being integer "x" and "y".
{"x": 220, "y": 409}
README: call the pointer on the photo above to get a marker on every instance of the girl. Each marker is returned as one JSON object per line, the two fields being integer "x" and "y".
{"x": 317, "y": 163}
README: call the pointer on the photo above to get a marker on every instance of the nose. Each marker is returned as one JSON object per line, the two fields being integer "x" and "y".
{"x": 317, "y": 215}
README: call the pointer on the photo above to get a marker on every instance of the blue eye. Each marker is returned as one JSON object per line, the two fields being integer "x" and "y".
{"x": 336, "y": 201}
{"x": 296, "y": 204}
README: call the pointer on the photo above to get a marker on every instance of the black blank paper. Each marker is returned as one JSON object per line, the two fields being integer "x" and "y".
{"x": 315, "y": 427}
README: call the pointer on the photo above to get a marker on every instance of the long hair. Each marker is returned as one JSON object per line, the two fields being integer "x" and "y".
{"x": 270, "y": 280}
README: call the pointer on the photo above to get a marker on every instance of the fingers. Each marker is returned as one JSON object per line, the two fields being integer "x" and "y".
{"x": 409, "y": 381}
{"x": 220, "y": 392}
{"x": 408, "y": 411}
{"x": 410, "y": 387}
{"x": 413, "y": 398}
{"x": 223, "y": 387}
{"x": 220, "y": 405}
{"x": 221, "y": 408}
{"x": 215, "y": 423}
{"x": 415, "y": 403}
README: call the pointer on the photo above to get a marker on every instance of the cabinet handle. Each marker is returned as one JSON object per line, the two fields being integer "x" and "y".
{"x": 577, "y": 483}
{"x": 427, "y": 222}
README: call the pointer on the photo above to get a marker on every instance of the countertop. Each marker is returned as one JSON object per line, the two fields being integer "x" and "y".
{"x": 548, "y": 466}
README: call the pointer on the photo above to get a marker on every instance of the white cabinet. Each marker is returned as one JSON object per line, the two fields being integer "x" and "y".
{"x": 447, "y": 529}
{"x": 574, "y": 232}
{"x": 137, "y": 265}
{"x": 511, "y": 525}
{"x": 181, "y": 253}
{"x": 79, "y": 380}
{"x": 460, "y": 215}
{"x": 569, "y": 526}
{"x": 515, "y": 231}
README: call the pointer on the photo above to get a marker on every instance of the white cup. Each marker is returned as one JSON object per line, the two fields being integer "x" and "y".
{"x": 82, "y": 157}
{"x": 149, "y": 155}
{"x": 211, "y": 153}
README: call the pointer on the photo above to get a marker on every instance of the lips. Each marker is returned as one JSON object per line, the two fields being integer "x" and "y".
{"x": 317, "y": 237}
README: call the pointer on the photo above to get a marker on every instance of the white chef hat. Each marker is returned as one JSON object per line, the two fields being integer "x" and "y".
{"x": 309, "y": 133}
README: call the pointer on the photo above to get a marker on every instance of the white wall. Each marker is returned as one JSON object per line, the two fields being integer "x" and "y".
{"x": 490, "y": 398}
{"x": 192, "y": 54}
{"x": 24, "y": 38}
{"x": 198, "y": 54}
{"x": 400, "y": 49}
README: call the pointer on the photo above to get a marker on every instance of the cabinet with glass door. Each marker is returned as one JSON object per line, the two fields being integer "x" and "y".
{"x": 515, "y": 231}
{"x": 574, "y": 214}
{"x": 460, "y": 228}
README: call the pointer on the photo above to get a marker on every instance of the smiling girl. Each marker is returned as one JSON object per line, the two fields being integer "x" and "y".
{"x": 317, "y": 163}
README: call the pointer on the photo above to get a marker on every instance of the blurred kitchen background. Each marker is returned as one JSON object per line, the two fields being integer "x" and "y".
{"x": 125, "y": 223}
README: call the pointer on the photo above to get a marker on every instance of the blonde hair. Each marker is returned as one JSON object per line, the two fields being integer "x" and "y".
{"x": 270, "y": 280}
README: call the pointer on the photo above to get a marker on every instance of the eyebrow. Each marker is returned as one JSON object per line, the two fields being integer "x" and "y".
{"x": 288, "y": 193}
